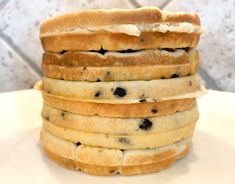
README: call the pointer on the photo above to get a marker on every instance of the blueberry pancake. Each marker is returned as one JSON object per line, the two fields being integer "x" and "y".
{"x": 120, "y": 66}
{"x": 124, "y": 91}
{"x": 108, "y": 161}
{"x": 115, "y": 29}
{"x": 121, "y": 141}
{"x": 140, "y": 109}
{"x": 127, "y": 126}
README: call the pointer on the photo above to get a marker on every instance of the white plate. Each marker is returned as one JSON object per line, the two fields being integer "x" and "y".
{"x": 211, "y": 159}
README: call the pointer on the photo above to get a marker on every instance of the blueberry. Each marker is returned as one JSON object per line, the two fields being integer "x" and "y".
{"x": 154, "y": 111}
{"x": 119, "y": 92}
{"x": 78, "y": 143}
{"x": 145, "y": 124}
{"x": 63, "y": 113}
{"x": 98, "y": 80}
{"x": 97, "y": 94}
{"x": 63, "y": 51}
{"x": 47, "y": 118}
{"x": 124, "y": 140}
{"x": 142, "y": 101}
{"x": 175, "y": 75}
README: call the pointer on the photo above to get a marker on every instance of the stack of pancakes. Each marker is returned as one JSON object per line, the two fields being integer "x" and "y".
{"x": 119, "y": 89}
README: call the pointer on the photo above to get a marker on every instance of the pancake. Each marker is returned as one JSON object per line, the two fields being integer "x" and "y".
{"x": 116, "y": 66}
{"x": 103, "y": 161}
{"x": 121, "y": 141}
{"x": 120, "y": 29}
{"x": 127, "y": 126}
{"x": 124, "y": 91}
{"x": 131, "y": 110}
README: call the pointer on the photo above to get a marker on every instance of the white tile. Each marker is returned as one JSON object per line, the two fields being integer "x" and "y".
{"x": 218, "y": 43}
{"x": 157, "y": 3}
{"x": 15, "y": 74}
{"x": 20, "y": 20}
{"x": 3, "y": 3}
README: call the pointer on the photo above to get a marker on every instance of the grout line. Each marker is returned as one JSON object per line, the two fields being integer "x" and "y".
{"x": 29, "y": 61}
{"x": 3, "y": 3}
{"x": 165, "y": 4}
{"x": 210, "y": 82}
{"x": 137, "y": 5}
{"x": 134, "y": 3}
{"x": 10, "y": 49}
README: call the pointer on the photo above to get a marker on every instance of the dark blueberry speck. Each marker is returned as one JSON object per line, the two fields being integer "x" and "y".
{"x": 63, "y": 113}
{"x": 124, "y": 140}
{"x": 142, "y": 101}
{"x": 145, "y": 124}
{"x": 98, "y": 80}
{"x": 63, "y": 51}
{"x": 120, "y": 92}
{"x": 175, "y": 75}
{"x": 154, "y": 110}
{"x": 47, "y": 118}
{"x": 78, "y": 143}
{"x": 97, "y": 94}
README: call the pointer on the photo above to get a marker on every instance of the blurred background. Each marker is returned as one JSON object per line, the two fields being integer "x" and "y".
{"x": 20, "y": 49}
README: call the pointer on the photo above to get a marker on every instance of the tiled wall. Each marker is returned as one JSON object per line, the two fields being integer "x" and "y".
{"x": 20, "y": 53}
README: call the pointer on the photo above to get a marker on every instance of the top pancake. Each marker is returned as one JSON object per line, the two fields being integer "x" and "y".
{"x": 120, "y": 29}
{"x": 146, "y": 15}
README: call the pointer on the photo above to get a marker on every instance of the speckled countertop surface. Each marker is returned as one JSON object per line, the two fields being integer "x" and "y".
{"x": 20, "y": 53}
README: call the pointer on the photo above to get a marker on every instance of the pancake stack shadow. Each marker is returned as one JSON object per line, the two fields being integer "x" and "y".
{"x": 119, "y": 89}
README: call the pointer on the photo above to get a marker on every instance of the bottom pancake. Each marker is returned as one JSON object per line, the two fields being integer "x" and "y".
{"x": 104, "y": 161}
